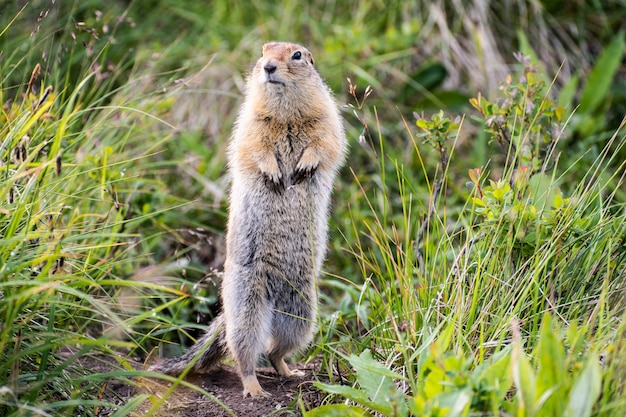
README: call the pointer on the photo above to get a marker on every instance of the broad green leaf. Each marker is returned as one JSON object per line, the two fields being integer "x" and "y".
{"x": 601, "y": 77}
{"x": 417, "y": 405}
{"x": 478, "y": 202}
{"x": 495, "y": 371}
{"x": 366, "y": 364}
{"x": 445, "y": 336}
{"x": 558, "y": 201}
{"x": 433, "y": 384}
{"x": 430, "y": 76}
{"x": 337, "y": 410}
{"x": 449, "y": 99}
{"x": 586, "y": 390}
{"x": 543, "y": 190}
{"x": 455, "y": 403}
{"x": 377, "y": 381}
{"x": 524, "y": 378}
{"x": 358, "y": 396}
{"x": 551, "y": 372}
{"x": 568, "y": 92}
{"x": 500, "y": 193}
{"x": 559, "y": 111}
{"x": 422, "y": 124}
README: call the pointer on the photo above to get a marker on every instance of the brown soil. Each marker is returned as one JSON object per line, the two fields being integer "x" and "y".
{"x": 287, "y": 395}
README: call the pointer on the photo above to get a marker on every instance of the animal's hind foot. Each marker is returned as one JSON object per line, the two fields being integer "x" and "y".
{"x": 252, "y": 387}
{"x": 283, "y": 370}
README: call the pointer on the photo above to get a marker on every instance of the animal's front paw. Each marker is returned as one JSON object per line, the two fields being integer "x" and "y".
{"x": 307, "y": 165}
{"x": 300, "y": 175}
{"x": 274, "y": 182}
{"x": 272, "y": 176}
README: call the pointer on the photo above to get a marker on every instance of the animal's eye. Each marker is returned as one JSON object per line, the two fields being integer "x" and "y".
{"x": 296, "y": 55}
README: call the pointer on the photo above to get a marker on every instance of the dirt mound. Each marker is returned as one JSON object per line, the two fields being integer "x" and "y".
{"x": 287, "y": 395}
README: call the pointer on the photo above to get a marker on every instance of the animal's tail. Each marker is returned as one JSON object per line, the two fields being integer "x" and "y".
{"x": 210, "y": 349}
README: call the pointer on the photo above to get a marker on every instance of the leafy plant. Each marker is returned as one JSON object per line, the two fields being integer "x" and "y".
{"x": 524, "y": 249}
{"x": 524, "y": 122}
{"x": 552, "y": 387}
{"x": 552, "y": 381}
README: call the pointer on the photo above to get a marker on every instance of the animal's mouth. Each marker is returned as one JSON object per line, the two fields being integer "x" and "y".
{"x": 273, "y": 80}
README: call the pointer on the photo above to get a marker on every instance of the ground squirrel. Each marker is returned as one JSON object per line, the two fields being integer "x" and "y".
{"x": 287, "y": 145}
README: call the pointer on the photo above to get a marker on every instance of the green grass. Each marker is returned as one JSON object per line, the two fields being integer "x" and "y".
{"x": 476, "y": 263}
{"x": 532, "y": 262}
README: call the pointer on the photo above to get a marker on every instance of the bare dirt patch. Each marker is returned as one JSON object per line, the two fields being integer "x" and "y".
{"x": 287, "y": 395}
{"x": 225, "y": 385}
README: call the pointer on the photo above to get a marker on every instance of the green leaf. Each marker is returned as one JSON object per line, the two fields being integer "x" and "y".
{"x": 434, "y": 382}
{"x": 455, "y": 403}
{"x": 445, "y": 337}
{"x": 568, "y": 92}
{"x": 500, "y": 192}
{"x": 430, "y": 76}
{"x": 542, "y": 190}
{"x": 377, "y": 381}
{"x": 601, "y": 76}
{"x": 365, "y": 364}
{"x": 551, "y": 372}
{"x": 495, "y": 372}
{"x": 359, "y": 397}
{"x": 524, "y": 381}
{"x": 559, "y": 111}
{"x": 337, "y": 410}
{"x": 350, "y": 393}
{"x": 558, "y": 201}
{"x": 450, "y": 99}
{"x": 586, "y": 389}
{"x": 417, "y": 405}
{"x": 422, "y": 124}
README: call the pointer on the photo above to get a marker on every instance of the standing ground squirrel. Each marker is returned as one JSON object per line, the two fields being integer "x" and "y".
{"x": 287, "y": 146}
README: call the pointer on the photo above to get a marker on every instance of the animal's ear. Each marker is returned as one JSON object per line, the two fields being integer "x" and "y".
{"x": 311, "y": 58}
{"x": 267, "y": 46}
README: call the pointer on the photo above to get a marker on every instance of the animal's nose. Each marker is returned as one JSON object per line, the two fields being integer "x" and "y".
{"x": 269, "y": 67}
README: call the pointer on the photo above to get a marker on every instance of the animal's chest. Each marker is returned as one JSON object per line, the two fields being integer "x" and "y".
{"x": 289, "y": 144}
